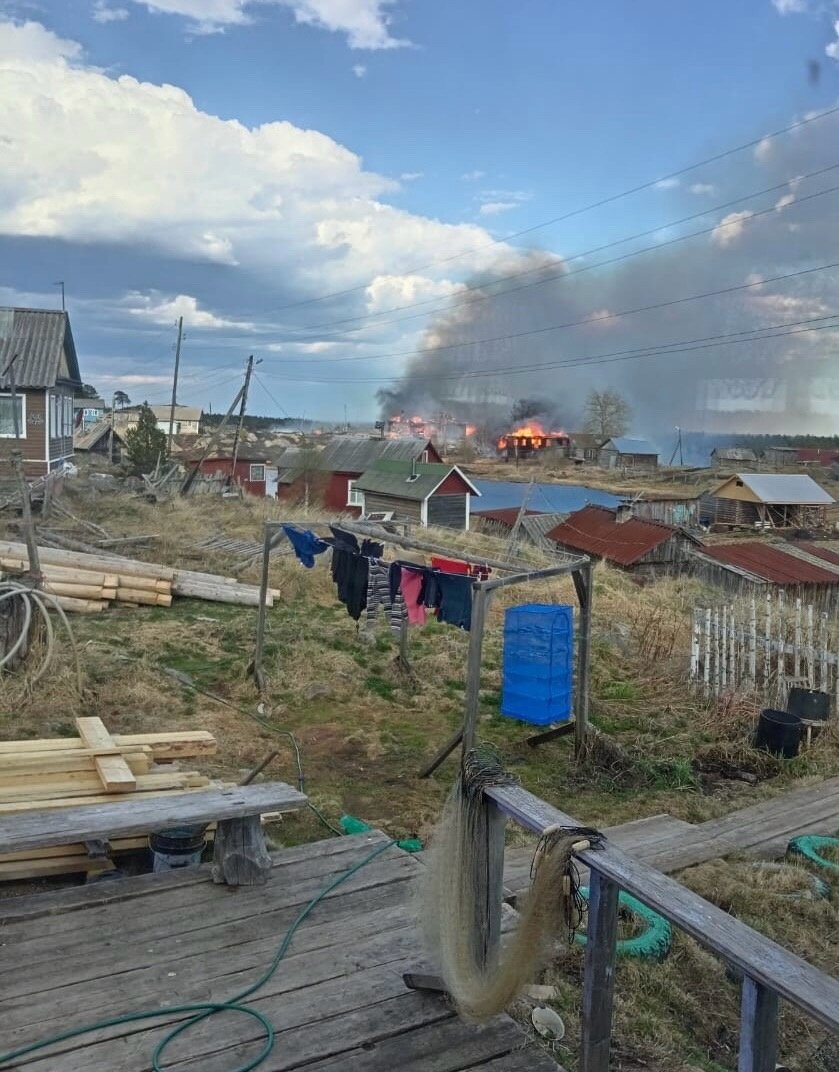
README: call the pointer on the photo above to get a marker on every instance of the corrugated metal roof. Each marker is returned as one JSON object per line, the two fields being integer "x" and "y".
{"x": 819, "y": 550}
{"x": 506, "y": 515}
{"x": 394, "y": 478}
{"x": 626, "y": 445}
{"x": 354, "y": 454}
{"x": 39, "y": 337}
{"x": 769, "y": 562}
{"x": 88, "y": 440}
{"x": 596, "y": 531}
{"x": 775, "y": 488}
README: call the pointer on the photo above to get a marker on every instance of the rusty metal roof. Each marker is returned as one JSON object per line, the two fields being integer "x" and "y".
{"x": 40, "y": 338}
{"x": 595, "y": 530}
{"x": 819, "y": 550}
{"x": 506, "y": 515}
{"x": 769, "y": 562}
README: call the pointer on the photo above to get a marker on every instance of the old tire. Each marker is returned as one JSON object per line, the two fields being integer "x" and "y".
{"x": 654, "y": 941}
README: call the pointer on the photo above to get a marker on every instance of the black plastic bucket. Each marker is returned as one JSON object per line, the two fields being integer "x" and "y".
{"x": 779, "y": 732}
{"x": 181, "y": 846}
{"x": 809, "y": 703}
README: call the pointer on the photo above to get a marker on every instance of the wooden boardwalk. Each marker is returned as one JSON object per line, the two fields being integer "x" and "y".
{"x": 337, "y": 1002}
{"x": 669, "y": 844}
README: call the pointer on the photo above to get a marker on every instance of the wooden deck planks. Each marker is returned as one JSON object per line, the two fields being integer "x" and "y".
{"x": 338, "y": 999}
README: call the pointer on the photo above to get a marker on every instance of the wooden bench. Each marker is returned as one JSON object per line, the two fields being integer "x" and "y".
{"x": 240, "y": 855}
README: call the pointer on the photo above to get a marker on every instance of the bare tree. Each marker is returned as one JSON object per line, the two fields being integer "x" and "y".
{"x": 607, "y": 414}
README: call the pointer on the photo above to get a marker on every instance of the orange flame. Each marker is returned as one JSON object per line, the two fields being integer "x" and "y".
{"x": 534, "y": 432}
{"x": 470, "y": 430}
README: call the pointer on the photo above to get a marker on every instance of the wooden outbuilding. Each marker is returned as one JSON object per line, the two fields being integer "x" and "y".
{"x": 766, "y": 500}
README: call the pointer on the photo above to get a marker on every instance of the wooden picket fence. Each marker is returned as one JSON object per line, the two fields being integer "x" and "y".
{"x": 764, "y": 646}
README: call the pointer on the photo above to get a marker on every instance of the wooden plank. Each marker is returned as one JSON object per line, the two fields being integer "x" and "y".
{"x": 489, "y": 883}
{"x": 80, "y": 784}
{"x": 758, "y": 1028}
{"x": 18, "y": 806}
{"x": 141, "y": 815}
{"x": 115, "y": 774}
{"x": 18, "y": 870}
{"x": 78, "y": 759}
{"x": 762, "y": 959}
{"x": 175, "y": 744}
{"x": 599, "y": 974}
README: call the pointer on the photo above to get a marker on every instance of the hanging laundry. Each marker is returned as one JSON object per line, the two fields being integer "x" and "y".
{"x": 379, "y": 598}
{"x": 454, "y": 599}
{"x": 406, "y": 579}
{"x": 449, "y": 565}
{"x": 305, "y": 544}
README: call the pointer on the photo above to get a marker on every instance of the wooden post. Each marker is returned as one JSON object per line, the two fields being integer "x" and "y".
{"x": 796, "y": 648}
{"x": 733, "y": 649}
{"x": 489, "y": 883}
{"x": 758, "y": 1028}
{"x": 258, "y": 672}
{"x": 694, "y": 647}
{"x": 809, "y": 649}
{"x": 599, "y": 974}
{"x": 753, "y": 643}
{"x": 706, "y": 670}
{"x": 824, "y": 683}
{"x": 584, "y": 586}
{"x": 240, "y": 856}
{"x": 724, "y": 650}
{"x": 473, "y": 668}
{"x": 716, "y": 651}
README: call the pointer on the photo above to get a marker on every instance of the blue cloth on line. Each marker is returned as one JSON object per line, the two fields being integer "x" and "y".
{"x": 306, "y": 545}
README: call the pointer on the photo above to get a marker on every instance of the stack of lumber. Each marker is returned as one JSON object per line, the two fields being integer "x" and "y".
{"x": 90, "y": 582}
{"x": 94, "y": 768}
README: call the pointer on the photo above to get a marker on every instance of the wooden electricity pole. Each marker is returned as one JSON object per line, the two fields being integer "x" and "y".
{"x": 238, "y": 436}
{"x": 175, "y": 385}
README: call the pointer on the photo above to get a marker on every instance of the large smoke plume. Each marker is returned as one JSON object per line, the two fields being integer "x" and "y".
{"x": 788, "y": 383}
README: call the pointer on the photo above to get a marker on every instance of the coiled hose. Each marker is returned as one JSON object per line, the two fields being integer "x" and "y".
{"x": 36, "y": 602}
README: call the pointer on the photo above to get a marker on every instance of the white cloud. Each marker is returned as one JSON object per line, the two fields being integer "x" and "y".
{"x": 832, "y": 49}
{"x": 790, "y": 7}
{"x": 279, "y": 200}
{"x": 359, "y": 70}
{"x": 365, "y": 22}
{"x": 763, "y": 150}
{"x": 161, "y": 310}
{"x": 495, "y": 208}
{"x": 667, "y": 184}
{"x": 411, "y": 176}
{"x": 103, "y": 13}
{"x": 472, "y": 176}
{"x": 702, "y": 188}
{"x": 390, "y": 291}
{"x": 730, "y": 227}
{"x": 784, "y": 202}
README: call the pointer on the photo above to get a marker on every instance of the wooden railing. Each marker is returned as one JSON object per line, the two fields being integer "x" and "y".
{"x": 769, "y": 971}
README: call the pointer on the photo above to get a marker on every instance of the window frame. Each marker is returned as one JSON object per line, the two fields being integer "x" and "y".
{"x": 21, "y": 398}
{"x": 352, "y": 491}
{"x": 256, "y": 479}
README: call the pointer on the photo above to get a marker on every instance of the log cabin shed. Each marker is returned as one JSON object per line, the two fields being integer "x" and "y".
{"x": 46, "y": 373}
{"x": 642, "y": 547}
{"x": 766, "y": 500}
{"x": 623, "y": 452}
{"x": 431, "y": 493}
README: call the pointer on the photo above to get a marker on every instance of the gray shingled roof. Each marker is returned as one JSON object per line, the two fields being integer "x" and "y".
{"x": 39, "y": 337}
{"x": 389, "y": 477}
{"x": 355, "y": 454}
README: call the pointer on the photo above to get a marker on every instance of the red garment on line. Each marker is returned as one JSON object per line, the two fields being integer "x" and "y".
{"x": 449, "y": 565}
{"x": 410, "y": 582}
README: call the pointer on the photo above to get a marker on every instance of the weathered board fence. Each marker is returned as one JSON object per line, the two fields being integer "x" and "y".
{"x": 764, "y": 646}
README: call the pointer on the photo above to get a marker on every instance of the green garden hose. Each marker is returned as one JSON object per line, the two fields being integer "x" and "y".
{"x": 652, "y": 944}
{"x": 808, "y": 846}
{"x": 203, "y": 1010}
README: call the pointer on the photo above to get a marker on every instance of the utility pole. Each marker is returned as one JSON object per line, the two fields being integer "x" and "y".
{"x": 111, "y": 442}
{"x": 60, "y": 283}
{"x": 238, "y": 436}
{"x": 175, "y": 384}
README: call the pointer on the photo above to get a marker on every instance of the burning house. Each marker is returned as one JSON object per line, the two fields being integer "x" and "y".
{"x": 443, "y": 428}
{"x": 531, "y": 439}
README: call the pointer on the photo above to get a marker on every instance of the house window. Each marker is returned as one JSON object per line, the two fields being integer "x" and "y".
{"x": 355, "y": 497}
{"x": 424, "y": 458}
{"x": 8, "y": 406}
{"x": 68, "y": 416}
{"x": 257, "y": 473}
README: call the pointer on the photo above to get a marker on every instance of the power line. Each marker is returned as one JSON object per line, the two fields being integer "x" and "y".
{"x": 610, "y": 199}
{"x": 598, "y": 319}
{"x": 264, "y": 387}
{"x": 559, "y": 272}
{"x": 658, "y": 350}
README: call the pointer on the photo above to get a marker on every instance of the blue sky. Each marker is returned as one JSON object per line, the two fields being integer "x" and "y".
{"x": 228, "y": 160}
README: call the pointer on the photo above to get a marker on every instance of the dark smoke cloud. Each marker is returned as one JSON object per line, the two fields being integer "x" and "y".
{"x": 781, "y": 384}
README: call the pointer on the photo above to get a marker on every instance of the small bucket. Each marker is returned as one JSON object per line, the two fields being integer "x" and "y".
{"x": 182, "y": 846}
{"x": 779, "y": 732}
{"x": 809, "y": 703}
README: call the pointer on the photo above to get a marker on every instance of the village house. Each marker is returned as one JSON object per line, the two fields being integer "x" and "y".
{"x": 728, "y": 457}
{"x": 778, "y": 457}
{"x": 38, "y": 356}
{"x": 431, "y": 493}
{"x": 330, "y": 475}
{"x": 624, "y": 453}
{"x": 187, "y": 418}
{"x": 97, "y": 440}
{"x": 754, "y": 568}
{"x": 677, "y": 510}
{"x": 644, "y": 548}
{"x": 765, "y": 500}
{"x": 87, "y": 412}
{"x": 583, "y": 447}
{"x": 252, "y": 472}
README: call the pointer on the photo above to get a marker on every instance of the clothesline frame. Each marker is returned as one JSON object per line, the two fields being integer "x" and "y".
{"x": 578, "y": 567}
